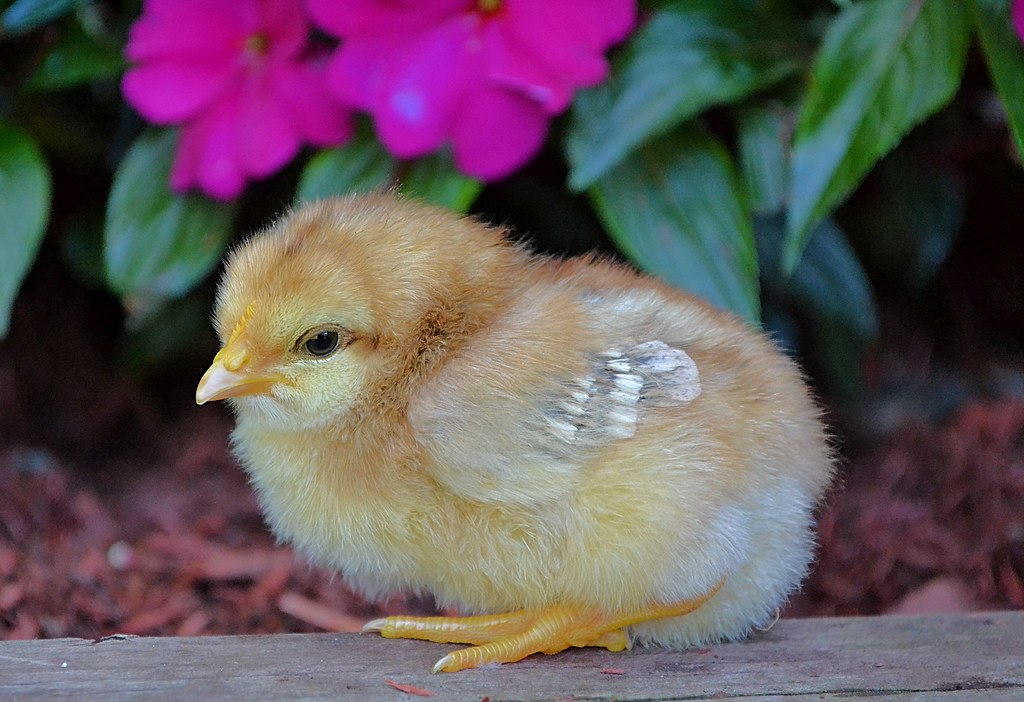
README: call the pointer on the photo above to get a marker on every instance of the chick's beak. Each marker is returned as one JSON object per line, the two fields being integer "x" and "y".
{"x": 231, "y": 375}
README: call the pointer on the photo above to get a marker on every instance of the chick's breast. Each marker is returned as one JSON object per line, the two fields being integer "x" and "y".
{"x": 523, "y": 431}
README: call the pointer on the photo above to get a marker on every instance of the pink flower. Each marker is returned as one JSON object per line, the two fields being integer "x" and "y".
{"x": 1018, "y": 18}
{"x": 234, "y": 75}
{"x": 484, "y": 75}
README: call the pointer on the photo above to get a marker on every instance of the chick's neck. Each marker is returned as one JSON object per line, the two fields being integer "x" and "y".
{"x": 411, "y": 354}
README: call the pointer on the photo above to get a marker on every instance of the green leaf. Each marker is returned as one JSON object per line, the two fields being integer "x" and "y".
{"x": 158, "y": 245}
{"x": 24, "y": 211}
{"x": 1005, "y": 55}
{"x": 690, "y": 55}
{"x": 907, "y": 251}
{"x": 76, "y": 59}
{"x": 81, "y": 247}
{"x": 169, "y": 334}
{"x": 839, "y": 354}
{"x": 763, "y": 144}
{"x": 435, "y": 180}
{"x": 361, "y": 165}
{"x": 677, "y": 208}
{"x": 884, "y": 66}
{"x": 26, "y": 15}
{"x": 829, "y": 280}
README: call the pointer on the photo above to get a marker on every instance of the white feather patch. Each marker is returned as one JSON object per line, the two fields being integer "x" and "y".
{"x": 609, "y": 403}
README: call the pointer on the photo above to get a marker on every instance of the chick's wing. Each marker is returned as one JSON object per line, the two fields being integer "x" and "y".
{"x": 513, "y": 416}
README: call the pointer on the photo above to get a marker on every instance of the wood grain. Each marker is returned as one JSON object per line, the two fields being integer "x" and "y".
{"x": 950, "y": 657}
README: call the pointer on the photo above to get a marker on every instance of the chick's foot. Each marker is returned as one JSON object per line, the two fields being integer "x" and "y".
{"x": 506, "y": 638}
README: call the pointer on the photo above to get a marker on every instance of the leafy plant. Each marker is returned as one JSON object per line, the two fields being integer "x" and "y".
{"x": 24, "y": 209}
{"x": 718, "y": 154}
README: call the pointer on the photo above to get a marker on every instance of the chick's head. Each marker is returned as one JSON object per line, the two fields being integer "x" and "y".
{"x": 340, "y": 303}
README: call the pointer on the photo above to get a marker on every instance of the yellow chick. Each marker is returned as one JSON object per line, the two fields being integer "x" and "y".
{"x": 576, "y": 454}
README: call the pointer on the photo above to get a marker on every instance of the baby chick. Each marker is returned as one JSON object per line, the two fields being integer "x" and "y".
{"x": 576, "y": 454}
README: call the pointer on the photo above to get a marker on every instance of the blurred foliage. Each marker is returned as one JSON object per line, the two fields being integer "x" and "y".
{"x": 676, "y": 205}
{"x": 24, "y": 208}
{"x": 157, "y": 246}
{"x": 362, "y": 165}
{"x": 720, "y": 155}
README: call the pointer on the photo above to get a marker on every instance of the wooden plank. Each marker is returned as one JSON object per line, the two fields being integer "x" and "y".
{"x": 951, "y": 657}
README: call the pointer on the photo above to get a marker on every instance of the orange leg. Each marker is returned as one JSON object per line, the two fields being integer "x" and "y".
{"x": 505, "y": 638}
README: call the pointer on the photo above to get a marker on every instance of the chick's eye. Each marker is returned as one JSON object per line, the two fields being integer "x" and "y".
{"x": 322, "y": 343}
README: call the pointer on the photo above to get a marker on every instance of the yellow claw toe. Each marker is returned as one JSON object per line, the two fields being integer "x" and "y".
{"x": 512, "y": 636}
{"x": 442, "y": 664}
{"x": 375, "y": 626}
{"x": 616, "y": 640}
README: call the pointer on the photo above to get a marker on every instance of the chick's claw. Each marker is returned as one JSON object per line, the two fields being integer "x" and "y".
{"x": 516, "y": 648}
{"x": 506, "y": 638}
{"x": 501, "y": 638}
{"x": 614, "y": 641}
{"x": 468, "y": 630}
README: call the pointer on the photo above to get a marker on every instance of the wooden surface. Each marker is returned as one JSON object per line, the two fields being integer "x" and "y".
{"x": 956, "y": 657}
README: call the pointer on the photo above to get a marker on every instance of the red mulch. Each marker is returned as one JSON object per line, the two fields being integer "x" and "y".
{"x": 933, "y": 520}
{"x": 180, "y": 549}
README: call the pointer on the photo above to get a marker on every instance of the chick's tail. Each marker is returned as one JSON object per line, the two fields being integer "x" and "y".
{"x": 506, "y": 638}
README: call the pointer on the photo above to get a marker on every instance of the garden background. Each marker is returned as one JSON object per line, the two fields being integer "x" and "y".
{"x": 846, "y": 174}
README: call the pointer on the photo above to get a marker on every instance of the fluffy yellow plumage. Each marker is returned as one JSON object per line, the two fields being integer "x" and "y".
{"x": 424, "y": 406}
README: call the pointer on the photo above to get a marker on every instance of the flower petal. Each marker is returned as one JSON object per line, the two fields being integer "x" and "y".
{"x": 213, "y": 31}
{"x": 283, "y": 23}
{"x": 412, "y": 88}
{"x": 595, "y": 24}
{"x": 166, "y": 92}
{"x": 303, "y": 93}
{"x": 497, "y": 132}
{"x": 358, "y": 70}
{"x": 206, "y": 153}
{"x": 381, "y": 18}
{"x": 570, "y": 36}
{"x": 1018, "y": 17}
{"x": 266, "y": 138}
{"x": 510, "y": 66}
